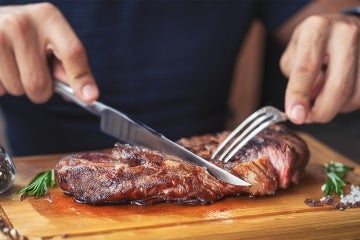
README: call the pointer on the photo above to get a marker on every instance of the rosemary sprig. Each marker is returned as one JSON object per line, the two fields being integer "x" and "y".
{"x": 335, "y": 182}
{"x": 38, "y": 186}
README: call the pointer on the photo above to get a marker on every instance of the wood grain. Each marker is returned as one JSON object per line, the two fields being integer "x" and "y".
{"x": 281, "y": 216}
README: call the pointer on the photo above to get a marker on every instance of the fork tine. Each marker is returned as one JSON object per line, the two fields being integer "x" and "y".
{"x": 252, "y": 125}
{"x": 235, "y": 132}
{"x": 242, "y": 134}
{"x": 244, "y": 138}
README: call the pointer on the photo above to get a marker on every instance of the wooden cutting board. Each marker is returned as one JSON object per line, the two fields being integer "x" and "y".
{"x": 281, "y": 216}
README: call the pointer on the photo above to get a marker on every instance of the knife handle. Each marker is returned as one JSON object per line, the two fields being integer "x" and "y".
{"x": 67, "y": 92}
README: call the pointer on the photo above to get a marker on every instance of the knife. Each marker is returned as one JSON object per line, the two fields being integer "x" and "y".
{"x": 122, "y": 127}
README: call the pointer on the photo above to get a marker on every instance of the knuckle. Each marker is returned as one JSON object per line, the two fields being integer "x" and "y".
{"x": 316, "y": 23}
{"x": 13, "y": 88}
{"x": 284, "y": 65}
{"x": 343, "y": 87}
{"x": 3, "y": 39}
{"x": 39, "y": 97}
{"x": 15, "y": 91}
{"x": 46, "y": 10}
{"x": 16, "y": 23}
{"x": 298, "y": 93}
{"x": 321, "y": 116}
{"x": 38, "y": 91}
{"x": 73, "y": 49}
{"x": 307, "y": 65}
{"x": 45, "y": 7}
{"x": 351, "y": 30}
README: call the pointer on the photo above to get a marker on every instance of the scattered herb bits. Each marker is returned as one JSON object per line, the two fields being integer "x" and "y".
{"x": 335, "y": 182}
{"x": 334, "y": 186}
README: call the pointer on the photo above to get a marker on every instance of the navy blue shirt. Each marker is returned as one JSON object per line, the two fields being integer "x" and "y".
{"x": 168, "y": 64}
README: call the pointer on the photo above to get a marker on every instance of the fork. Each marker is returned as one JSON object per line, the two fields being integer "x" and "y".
{"x": 248, "y": 129}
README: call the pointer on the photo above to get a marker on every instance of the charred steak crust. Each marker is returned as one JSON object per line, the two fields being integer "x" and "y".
{"x": 274, "y": 159}
{"x": 135, "y": 175}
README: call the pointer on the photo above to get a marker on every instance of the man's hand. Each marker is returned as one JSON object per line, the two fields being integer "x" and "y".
{"x": 323, "y": 67}
{"x": 29, "y": 36}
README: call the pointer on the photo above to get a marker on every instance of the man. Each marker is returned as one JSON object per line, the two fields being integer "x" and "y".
{"x": 167, "y": 63}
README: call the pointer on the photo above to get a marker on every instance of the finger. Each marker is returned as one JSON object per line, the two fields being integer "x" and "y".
{"x": 9, "y": 74}
{"x": 353, "y": 103}
{"x": 286, "y": 62}
{"x": 2, "y": 89}
{"x": 77, "y": 71}
{"x": 30, "y": 59}
{"x": 69, "y": 50}
{"x": 318, "y": 85}
{"x": 309, "y": 55}
{"x": 340, "y": 78}
{"x": 59, "y": 73}
{"x": 35, "y": 76}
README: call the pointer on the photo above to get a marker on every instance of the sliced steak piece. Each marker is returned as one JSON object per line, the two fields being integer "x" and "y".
{"x": 130, "y": 174}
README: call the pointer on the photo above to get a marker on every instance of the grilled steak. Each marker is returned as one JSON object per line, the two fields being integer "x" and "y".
{"x": 274, "y": 159}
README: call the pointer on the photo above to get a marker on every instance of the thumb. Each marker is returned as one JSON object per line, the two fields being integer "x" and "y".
{"x": 86, "y": 89}
{"x": 79, "y": 76}
{"x": 71, "y": 62}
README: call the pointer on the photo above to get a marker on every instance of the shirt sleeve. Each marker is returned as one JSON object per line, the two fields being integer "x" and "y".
{"x": 275, "y": 12}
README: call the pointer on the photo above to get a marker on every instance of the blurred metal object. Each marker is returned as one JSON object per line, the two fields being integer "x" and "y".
{"x": 7, "y": 170}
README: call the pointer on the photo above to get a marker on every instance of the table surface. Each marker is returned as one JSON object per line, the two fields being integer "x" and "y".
{"x": 281, "y": 216}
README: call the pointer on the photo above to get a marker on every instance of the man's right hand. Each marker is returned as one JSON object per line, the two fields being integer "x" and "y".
{"x": 29, "y": 36}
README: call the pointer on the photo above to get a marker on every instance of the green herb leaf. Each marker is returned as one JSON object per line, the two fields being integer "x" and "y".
{"x": 38, "y": 186}
{"x": 335, "y": 182}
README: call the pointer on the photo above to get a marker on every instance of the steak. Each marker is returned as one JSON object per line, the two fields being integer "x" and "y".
{"x": 274, "y": 159}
